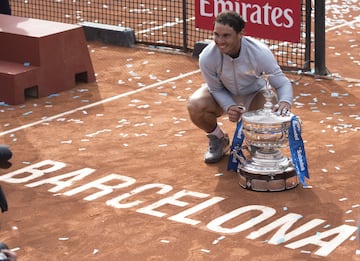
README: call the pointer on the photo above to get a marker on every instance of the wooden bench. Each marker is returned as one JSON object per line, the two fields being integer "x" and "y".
{"x": 55, "y": 56}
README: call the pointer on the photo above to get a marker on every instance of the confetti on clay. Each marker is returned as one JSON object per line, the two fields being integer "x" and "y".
{"x": 215, "y": 242}
{"x": 98, "y": 132}
{"x": 349, "y": 220}
{"x": 66, "y": 142}
{"x": 307, "y": 187}
{"x": 145, "y": 106}
{"x": 352, "y": 238}
{"x": 140, "y": 134}
{"x": 27, "y": 113}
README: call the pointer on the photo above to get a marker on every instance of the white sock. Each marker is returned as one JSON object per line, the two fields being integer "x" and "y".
{"x": 217, "y": 132}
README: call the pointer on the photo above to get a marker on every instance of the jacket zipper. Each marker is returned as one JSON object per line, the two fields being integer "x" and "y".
{"x": 235, "y": 82}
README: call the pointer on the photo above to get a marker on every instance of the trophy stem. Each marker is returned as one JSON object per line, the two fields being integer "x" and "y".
{"x": 269, "y": 95}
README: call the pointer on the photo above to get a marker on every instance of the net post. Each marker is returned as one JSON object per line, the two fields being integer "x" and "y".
{"x": 320, "y": 67}
{"x": 185, "y": 33}
{"x": 307, "y": 57}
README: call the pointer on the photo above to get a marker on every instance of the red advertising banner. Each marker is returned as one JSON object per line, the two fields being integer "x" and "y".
{"x": 271, "y": 19}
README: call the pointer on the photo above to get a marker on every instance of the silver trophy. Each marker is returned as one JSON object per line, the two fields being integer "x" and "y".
{"x": 265, "y": 131}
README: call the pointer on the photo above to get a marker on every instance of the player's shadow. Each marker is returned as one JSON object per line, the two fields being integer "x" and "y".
{"x": 310, "y": 203}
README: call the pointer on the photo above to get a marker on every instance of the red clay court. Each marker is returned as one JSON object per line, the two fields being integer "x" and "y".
{"x": 113, "y": 170}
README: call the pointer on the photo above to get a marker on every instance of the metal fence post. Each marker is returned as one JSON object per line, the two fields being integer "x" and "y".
{"x": 307, "y": 57}
{"x": 185, "y": 44}
{"x": 320, "y": 67}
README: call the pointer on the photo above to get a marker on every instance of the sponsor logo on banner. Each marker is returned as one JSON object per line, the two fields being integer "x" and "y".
{"x": 272, "y": 19}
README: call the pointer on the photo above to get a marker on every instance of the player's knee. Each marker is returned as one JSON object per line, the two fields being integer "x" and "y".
{"x": 192, "y": 106}
{"x": 196, "y": 104}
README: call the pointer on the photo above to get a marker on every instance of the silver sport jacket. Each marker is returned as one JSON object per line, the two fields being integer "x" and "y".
{"x": 227, "y": 77}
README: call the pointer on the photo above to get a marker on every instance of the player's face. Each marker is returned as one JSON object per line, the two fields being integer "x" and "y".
{"x": 227, "y": 40}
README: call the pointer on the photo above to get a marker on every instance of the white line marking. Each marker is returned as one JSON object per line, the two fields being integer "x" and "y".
{"x": 168, "y": 24}
{"x": 357, "y": 19}
{"x": 98, "y": 103}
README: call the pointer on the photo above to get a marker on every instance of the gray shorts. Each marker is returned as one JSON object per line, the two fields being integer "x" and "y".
{"x": 246, "y": 99}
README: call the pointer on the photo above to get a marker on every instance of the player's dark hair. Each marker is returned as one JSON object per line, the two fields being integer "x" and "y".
{"x": 232, "y": 19}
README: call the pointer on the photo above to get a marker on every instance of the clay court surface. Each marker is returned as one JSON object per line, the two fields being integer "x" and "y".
{"x": 129, "y": 136}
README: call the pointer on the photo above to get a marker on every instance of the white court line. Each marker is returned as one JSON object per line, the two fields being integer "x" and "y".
{"x": 357, "y": 19}
{"x": 168, "y": 24}
{"x": 98, "y": 103}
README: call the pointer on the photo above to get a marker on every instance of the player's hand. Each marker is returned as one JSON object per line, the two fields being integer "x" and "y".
{"x": 235, "y": 112}
{"x": 282, "y": 108}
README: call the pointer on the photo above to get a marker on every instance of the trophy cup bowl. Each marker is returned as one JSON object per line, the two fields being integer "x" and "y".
{"x": 265, "y": 130}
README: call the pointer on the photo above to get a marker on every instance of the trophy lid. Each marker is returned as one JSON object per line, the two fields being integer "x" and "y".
{"x": 265, "y": 117}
